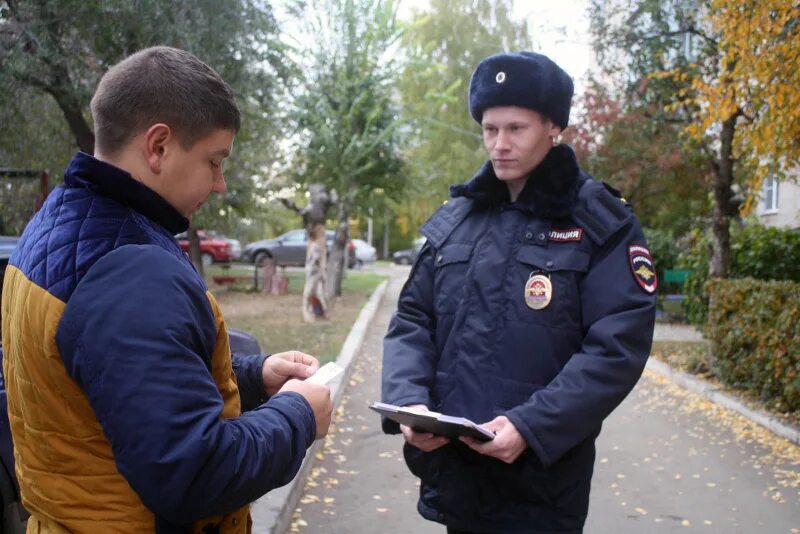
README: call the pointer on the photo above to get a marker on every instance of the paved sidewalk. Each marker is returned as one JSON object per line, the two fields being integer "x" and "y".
{"x": 359, "y": 483}
{"x": 676, "y": 332}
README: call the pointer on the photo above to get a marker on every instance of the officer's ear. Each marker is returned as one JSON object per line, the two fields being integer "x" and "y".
{"x": 554, "y": 130}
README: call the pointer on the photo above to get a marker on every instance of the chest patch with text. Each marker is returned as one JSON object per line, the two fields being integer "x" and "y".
{"x": 565, "y": 235}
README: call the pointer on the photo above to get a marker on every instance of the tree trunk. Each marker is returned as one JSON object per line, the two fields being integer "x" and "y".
{"x": 72, "y": 109}
{"x": 194, "y": 250}
{"x": 385, "y": 243}
{"x": 315, "y": 299}
{"x": 720, "y": 260}
{"x": 336, "y": 262}
{"x": 84, "y": 136}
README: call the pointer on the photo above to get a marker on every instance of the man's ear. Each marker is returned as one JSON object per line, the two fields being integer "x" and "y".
{"x": 157, "y": 140}
{"x": 555, "y": 130}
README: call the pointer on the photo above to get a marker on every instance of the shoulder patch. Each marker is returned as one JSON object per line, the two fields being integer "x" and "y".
{"x": 644, "y": 272}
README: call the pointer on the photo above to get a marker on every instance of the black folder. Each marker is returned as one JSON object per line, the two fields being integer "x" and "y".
{"x": 436, "y": 423}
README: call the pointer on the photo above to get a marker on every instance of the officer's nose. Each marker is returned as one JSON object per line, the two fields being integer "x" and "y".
{"x": 502, "y": 143}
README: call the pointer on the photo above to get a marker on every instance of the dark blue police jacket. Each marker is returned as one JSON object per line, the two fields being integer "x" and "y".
{"x": 477, "y": 334}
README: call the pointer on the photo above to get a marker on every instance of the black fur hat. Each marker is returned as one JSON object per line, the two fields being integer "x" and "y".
{"x": 522, "y": 79}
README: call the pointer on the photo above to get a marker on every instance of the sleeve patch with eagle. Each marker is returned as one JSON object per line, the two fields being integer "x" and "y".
{"x": 644, "y": 272}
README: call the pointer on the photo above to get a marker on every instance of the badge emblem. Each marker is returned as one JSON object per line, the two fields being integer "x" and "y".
{"x": 501, "y": 77}
{"x": 644, "y": 272}
{"x": 538, "y": 291}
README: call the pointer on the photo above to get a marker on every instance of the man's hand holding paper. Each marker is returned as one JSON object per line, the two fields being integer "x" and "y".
{"x": 424, "y": 441}
{"x": 507, "y": 445}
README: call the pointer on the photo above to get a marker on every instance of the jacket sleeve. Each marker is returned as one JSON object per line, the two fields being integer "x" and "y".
{"x": 250, "y": 380}
{"x": 137, "y": 336}
{"x": 618, "y": 318}
{"x": 409, "y": 349}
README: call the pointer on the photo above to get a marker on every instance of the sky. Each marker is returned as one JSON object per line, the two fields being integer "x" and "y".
{"x": 559, "y": 28}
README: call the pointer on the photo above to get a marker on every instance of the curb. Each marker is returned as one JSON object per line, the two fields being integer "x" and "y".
{"x": 272, "y": 513}
{"x": 715, "y": 395}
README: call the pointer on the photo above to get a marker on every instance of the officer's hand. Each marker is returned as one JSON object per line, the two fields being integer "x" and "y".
{"x": 424, "y": 441}
{"x": 319, "y": 397}
{"x": 283, "y": 366}
{"x": 507, "y": 444}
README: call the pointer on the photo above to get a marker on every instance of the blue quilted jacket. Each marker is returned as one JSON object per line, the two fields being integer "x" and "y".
{"x": 126, "y": 408}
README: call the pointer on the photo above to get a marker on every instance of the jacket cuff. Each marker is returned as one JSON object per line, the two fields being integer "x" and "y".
{"x": 249, "y": 378}
{"x": 297, "y": 410}
{"x": 527, "y": 433}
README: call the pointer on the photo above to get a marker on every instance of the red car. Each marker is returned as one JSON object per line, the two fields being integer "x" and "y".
{"x": 212, "y": 249}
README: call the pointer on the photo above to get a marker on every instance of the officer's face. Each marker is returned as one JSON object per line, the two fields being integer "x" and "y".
{"x": 517, "y": 140}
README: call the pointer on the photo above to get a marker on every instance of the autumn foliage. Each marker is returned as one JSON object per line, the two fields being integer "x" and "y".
{"x": 758, "y": 82}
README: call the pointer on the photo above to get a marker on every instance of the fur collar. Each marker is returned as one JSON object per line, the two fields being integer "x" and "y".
{"x": 550, "y": 192}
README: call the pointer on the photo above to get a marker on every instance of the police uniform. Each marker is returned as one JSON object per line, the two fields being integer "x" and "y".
{"x": 541, "y": 310}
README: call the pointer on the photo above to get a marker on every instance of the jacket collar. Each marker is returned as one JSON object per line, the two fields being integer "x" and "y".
{"x": 90, "y": 173}
{"x": 550, "y": 192}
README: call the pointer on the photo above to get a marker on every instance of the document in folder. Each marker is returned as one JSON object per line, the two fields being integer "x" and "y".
{"x": 436, "y": 423}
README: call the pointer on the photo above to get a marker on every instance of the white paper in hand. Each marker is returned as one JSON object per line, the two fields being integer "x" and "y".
{"x": 326, "y": 373}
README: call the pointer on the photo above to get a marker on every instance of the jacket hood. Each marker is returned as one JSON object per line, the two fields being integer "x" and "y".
{"x": 550, "y": 192}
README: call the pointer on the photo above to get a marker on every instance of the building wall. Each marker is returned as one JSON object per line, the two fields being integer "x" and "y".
{"x": 788, "y": 209}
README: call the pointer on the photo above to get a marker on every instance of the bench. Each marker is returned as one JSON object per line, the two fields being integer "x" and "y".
{"x": 225, "y": 279}
{"x": 677, "y": 276}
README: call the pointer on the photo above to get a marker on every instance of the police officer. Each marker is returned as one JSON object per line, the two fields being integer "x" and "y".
{"x": 530, "y": 310}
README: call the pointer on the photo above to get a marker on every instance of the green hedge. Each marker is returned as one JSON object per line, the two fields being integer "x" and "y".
{"x": 753, "y": 329}
{"x": 757, "y": 251}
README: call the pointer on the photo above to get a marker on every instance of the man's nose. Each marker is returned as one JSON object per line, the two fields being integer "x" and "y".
{"x": 502, "y": 142}
{"x": 219, "y": 184}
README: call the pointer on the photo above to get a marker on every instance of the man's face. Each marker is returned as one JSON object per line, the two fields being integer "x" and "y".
{"x": 188, "y": 177}
{"x": 517, "y": 140}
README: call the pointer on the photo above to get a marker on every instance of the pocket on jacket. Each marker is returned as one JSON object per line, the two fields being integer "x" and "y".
{"x": 451, "y": 264}
{"x": 565, "y": 267}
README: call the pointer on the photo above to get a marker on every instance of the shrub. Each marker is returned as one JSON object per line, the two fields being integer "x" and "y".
{"x": 754, "y": 337}
{"x": 757, "y": 251}
{"x": 696, "y": 260}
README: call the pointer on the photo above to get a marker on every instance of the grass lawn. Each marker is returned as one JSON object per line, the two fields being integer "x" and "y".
{"x": 277, "y": 321}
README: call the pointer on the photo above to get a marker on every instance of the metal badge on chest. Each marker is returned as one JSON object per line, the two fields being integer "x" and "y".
{"x": 538, "y": 291}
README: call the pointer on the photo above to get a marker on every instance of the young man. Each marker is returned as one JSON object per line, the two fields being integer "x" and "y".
{"x": 125, "y": 406}
{"x": 530, "y": 310}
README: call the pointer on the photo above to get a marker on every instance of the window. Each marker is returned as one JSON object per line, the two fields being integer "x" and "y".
{"x": 295, "y": 237}
{"x": 769, "y": 196}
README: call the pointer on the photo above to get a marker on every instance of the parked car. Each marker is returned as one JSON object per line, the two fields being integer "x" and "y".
{"x": 365, "y": 253}
{"x": 289, "y": 249}
{"x": 213, "y": 248}
{"x": 406, "y": 256}
{"x": 236, "y": 245}
{"x": 409, "y": 255}
{"x": 13, "y": 516}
